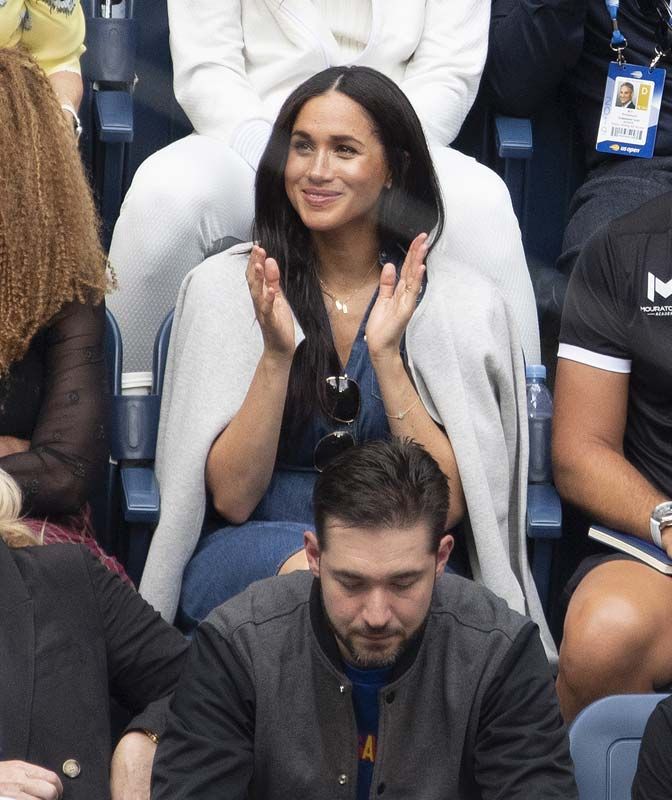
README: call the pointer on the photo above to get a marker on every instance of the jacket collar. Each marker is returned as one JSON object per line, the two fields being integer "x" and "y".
{"x": 17, "y": 657}
{"x": 327, "y": 641}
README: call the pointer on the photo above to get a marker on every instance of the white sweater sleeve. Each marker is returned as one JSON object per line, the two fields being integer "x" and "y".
{"x": 443, "y": 74}
{"x": 211, "y": 85}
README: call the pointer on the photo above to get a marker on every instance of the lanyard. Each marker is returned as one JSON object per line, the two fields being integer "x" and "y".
{"x": 618, "y": 42}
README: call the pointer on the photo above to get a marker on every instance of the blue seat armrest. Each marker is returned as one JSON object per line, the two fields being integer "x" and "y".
{"x": 114, "y": 115}
{"x": 544, "y": 512}
{"x": 513, "y": 137}
{"x": 141, "y": 500}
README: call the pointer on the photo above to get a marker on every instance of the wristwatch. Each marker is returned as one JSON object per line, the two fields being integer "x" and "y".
{"x": 76, "y": 124}
{"x": 661, "y": 518}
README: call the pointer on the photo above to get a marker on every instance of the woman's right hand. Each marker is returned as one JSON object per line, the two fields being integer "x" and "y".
{"x": 270, "y": 305}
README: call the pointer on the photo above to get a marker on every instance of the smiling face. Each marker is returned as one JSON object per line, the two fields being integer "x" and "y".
{"x": 376, "y": 587}
{"x": 336, "y": 167}
{"x": 625, "y": 94}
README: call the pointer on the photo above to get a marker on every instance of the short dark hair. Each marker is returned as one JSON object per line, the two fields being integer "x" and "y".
{"x": 390, "y": 483}
{"x": 628, "y": 84}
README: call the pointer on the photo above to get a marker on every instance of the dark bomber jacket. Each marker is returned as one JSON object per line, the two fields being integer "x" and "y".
{"x": 71, "y": 635}
{"x": 263, "y": 709}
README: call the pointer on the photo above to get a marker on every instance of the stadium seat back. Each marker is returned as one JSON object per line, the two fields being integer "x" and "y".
{"x": 605, "y": 740}
{"x": 553, "y": 174}
{"x": 108, "y": 70}
{"x": 103, "y": 502}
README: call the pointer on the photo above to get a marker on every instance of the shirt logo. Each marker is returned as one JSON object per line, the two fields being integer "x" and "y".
{"x": 656, "y": 286}
{"x": 661, "y": 287}
{"x": 367, "y": 747}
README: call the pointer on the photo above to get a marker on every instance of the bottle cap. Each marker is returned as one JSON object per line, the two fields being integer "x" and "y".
{"x": 535, "y": 371}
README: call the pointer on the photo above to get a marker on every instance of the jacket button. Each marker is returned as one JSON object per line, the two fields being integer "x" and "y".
{"x": 381, "y": 788}
{"x": 71, "y": 768}
{"x": 389, "y": 697}
{"x": 343, "y": 779}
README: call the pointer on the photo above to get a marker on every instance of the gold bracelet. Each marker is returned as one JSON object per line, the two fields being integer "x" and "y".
{"x": 153, "y": 736}
{"x": 402, "y": 414}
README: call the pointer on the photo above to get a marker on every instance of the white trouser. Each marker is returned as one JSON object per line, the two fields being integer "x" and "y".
{"x": 183, "y": 201}
{"x": 187, "y": 197}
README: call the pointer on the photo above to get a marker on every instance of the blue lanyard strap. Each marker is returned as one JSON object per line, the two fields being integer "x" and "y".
{"x": 618, "y": 41}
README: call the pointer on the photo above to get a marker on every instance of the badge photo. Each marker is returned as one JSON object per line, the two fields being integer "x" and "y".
{"x": 630, "y": 110}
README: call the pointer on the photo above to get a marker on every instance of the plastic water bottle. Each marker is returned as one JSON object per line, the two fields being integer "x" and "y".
{"x": 539, "y": 414}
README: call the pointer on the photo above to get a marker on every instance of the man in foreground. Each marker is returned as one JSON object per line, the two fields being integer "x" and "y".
{"x": 375, "y": 674}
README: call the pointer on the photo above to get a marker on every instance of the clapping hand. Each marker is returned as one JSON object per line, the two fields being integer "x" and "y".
{"x": 270, "y": 305}
{"x": 395, "y": 304}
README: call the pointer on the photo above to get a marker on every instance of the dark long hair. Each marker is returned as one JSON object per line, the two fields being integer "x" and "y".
{"x": 412, "y": 205}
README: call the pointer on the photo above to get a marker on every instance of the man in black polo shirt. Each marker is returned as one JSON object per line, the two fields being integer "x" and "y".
{"x": 611, "y": 449}
{"x": 537, "y": 46}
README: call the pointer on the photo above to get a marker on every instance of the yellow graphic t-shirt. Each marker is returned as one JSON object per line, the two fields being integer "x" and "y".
{"x": 51, "y": 30}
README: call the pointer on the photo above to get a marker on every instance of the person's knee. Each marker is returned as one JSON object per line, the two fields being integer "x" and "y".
{"x": 605, "y": 637}
{"x": 162, "y": 194}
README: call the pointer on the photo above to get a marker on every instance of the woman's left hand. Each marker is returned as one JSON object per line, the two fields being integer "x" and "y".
{"x": 395, "y": 305}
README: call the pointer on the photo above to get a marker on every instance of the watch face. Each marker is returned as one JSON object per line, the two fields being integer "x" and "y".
{"x": 663, "y": 512}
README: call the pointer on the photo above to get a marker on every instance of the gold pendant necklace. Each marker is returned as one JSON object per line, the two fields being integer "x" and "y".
{"x": 342, "y": 305}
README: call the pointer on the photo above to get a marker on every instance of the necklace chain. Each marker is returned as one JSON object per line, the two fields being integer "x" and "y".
{"x": 342, "y": 304}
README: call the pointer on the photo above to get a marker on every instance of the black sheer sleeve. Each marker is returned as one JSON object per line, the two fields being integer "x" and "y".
{"x": 67, "y": 446}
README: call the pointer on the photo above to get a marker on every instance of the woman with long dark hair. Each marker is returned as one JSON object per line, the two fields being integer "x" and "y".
{"x": 338, "y": 338}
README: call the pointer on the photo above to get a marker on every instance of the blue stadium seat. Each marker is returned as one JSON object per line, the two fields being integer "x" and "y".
{"x": 108, "y": 69}
{"x": 103, "y": 503}
{"x": 158, "y": 118}
{"x": 132, "y": 424}
{"x": 604, "y": 741}
{"x": 544, "y": 529}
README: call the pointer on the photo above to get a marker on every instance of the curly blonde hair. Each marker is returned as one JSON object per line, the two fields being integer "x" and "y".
{"x": 50, "y": 251}
{"x": 12, "y": 530}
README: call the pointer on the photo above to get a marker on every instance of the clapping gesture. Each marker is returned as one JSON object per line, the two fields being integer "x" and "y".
{"x": 270, "y": 305}
{"x": 396, "y": 301}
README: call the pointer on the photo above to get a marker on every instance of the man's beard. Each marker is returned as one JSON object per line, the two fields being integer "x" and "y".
{"x": 370, "y": 659}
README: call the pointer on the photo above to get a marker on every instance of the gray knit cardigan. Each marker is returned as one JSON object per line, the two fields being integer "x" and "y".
{"x": 467, "y": 363}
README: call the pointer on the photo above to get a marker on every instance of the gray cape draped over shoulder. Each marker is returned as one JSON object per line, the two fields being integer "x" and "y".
{"x": 467, "y": 363}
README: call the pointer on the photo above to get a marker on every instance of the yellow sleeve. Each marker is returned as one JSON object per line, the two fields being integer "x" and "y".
{"x": 54, "y": 34}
